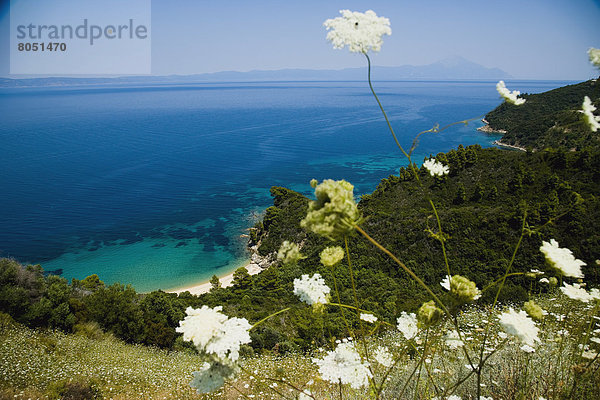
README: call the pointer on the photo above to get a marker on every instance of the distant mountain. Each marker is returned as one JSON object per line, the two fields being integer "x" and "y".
{"x": 454, "y": 68}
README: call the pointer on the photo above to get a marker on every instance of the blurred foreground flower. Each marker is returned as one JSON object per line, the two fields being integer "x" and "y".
{"x": 575, "y": 292}
{"x": 311, "y": 290}
{"x": 562, "y": 259}
{"x": 211, "y": 377}
{"x": 587, "y": 108}
{"x": 594, "y": 55}
{"x": 289, "y": 253}
{"x": 361, "y": 32}
{"x": 407, "y": 324}
{"x": 509, "y": 96}
{"x": 344, "y": 365}
{"x": 520, "y": 325}
{"x": 436, "y": 168}
{"x": 330, "y": 256}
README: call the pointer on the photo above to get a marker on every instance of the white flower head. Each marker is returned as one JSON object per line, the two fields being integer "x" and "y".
{"x": 594, "y": 55}
{"x": 587, "y": 108}
{"x": 562, "y": 259}
{"x": 446, "y": 282}
{"x": 368, "y": 317}
{"x": 436, "y": 168}
{"x": 520, "y": 325}
{"x": 407, "y": 324}
{"x": 344, "y": 365}
{"x": 383, "y": 356}
{"x": 576, "y": 292}
{"x": 211, "y": 377}
{"x": 213, "y": 332}
{"x": 511, "y": 97}
{"x": 527, "y": 349}
{"x": 311, "y": 290}
{"x": 361, "y": 32}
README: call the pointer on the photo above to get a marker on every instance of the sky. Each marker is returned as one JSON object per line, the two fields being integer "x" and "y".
{"x": 529, "y": 39}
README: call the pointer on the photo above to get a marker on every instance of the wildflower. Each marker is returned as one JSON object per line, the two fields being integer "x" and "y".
{"x": 553, "y": 281}
{"x": 211, "y": 377}
{"x": 368, "y": 317}
{"x": 311, "y": 290}
{"x": 534, "y": 311}
{"x": 509, "y": 96}
{"x": 429, "y": 313}
{"x": 330, "y": 256}
{"x": 520, "y": 325}
{"x": 527, "y": 349}
{"x": 595, "y": 293}
{"x": 446, "y": 282}
{"x": 407, "y": 324}
{"x": 361, "y": 32}
{"x": 344, "y": 365}
{"x": 575, "y": 292}
{"x": 588, "y": 113}
{"x": 594, "y": 55}
{"x": 213, "y": 332}
{"x": 305, "y": 395}
{"x": 463, "y": 289}
{"x": 289, "y": 253}
{"x": 435, "y": 168}
{"x": 453, "y": 339}
{"x": 562, "y": 259}
{"x": 544, "y": 280}
{"x": 334, "y": 214}
{"x": 382, "y": 356}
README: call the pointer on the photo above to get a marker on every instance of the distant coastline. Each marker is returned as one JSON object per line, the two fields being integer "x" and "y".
{"x": 487, "y": 129}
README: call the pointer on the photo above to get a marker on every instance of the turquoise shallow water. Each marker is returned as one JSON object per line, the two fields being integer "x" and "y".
{"x": 154, "y": 185}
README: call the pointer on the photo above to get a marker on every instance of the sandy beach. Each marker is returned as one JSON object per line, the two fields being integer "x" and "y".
{"x": 226, "y": 281}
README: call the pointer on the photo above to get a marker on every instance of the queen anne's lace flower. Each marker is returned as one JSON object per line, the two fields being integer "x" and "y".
{"x": 289, "y": 253}
{"x": 587, "y": 108}
{"x": 511, "y": 97}
{"x": 562, "y": 259}
{"x": 576, "y": 292}
{"x": 594, "y": 55}
{"x": 330, "y": 256}
{"x": 382, "y": 356}
{"x": 520, "y": 325}
{"x": 429, "y": 313}
{"x": 368, "y": 317}
{"x": 213, "y": 332}
{"x": 311, "y": 290}
{"x": 446, "y": 282}
{"x": 344, "y": 365}
{"x": 334, "y": 213}
{"x": 211, "y": 377}
{"x": 435, "y": 168}
{"x": 407, "y": 324}
{"x": 463, "y": 289}
{"x": 534, "y": 311}
{"x": 361, "y": 32}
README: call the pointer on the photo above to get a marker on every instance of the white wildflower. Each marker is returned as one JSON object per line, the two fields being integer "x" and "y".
{"x": 361, "y": 32}
{"x": 453, "y": 339}
{"x": 587, "y": 108}
{"x": 305, "y": 395}
{"x": 509, "y": 96}
{"x": 407, "y": 324}
{"x": 594, "y": 55}
{"x": 527, "y": 349}
{"x": 210, "y": 377}
{"x": 213, "y": 332}
{"x": 446, "y": 282}
{"x": 382, "y": 356}
{"x": 575, "y": 292}
{"x": 562, "y": 259}
{"x": 435, "y": 168}
{"x": 544, "y": 280}
{"x": 368, "y": 317}
{"x": 595, "y": 293}
{"x": 520, "y": 325}
{"x": 311, "y": 290}
{"x": 344, "y": 365}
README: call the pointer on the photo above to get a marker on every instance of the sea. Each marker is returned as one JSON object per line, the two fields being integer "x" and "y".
{"x": 157, "y": 185}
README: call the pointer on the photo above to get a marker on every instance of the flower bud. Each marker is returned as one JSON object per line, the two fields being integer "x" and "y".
{"x": 429, "y": 313}
{"x": 330, "y": 256}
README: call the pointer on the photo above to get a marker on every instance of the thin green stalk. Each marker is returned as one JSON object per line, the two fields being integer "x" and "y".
{"x": 267, "y": 317}
{"x": 339, "y": 303}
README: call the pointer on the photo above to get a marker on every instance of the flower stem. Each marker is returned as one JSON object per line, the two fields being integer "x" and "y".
{"x": 267, "y": 317}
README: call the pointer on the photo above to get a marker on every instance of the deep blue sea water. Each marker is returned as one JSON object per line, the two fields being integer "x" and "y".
{"x": 154, "y": 185}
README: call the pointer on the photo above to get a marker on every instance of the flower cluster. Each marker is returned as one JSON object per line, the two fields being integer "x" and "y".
{"x": 511, "y": 97}
{"x": 213, "y": 332}
{"x": 594, "y": 55}
{"x": 534, "y": 311}
{"x": 435, "y": 168}
{"x": 330, "y": 256}
{"x": 311, "y": 290}
{"x": 576, "y": 292}
{"x": 407, "y": 324}
{"x": 289, "y": 253}
{"x": 344, "y": 365}
{"x": 429, "y": 313}
{"x": 334, "y": 213}
{"x": 587, "y": 108}
{"x": 520, "y": 325}
{"x": 562, "y": 259}
{"x": 368, "y": 317}
{"x": 361, "y": 32}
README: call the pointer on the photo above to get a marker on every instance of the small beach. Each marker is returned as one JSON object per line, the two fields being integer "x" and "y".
{"x": 226, "y": 281}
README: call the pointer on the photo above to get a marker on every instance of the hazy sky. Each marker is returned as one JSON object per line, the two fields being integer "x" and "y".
{"x": 529, "y": 39}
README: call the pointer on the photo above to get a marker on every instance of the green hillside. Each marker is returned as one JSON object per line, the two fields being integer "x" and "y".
{"x": 549, "y": 119}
